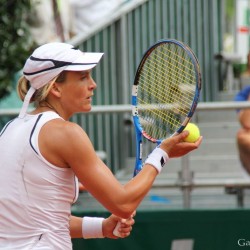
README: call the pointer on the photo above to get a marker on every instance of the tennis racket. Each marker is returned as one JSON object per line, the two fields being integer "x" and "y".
{"x": 165, "y": 93}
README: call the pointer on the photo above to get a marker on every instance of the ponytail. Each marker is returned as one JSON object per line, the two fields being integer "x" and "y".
{"x": 41, "y": 94}
{"x": 22, "y": 87}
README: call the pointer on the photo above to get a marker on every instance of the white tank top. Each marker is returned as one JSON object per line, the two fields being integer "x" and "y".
{"x": 35, "y": 195}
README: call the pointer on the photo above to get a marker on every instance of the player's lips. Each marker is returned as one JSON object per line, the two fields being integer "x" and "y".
{"x": 90, "y": 98}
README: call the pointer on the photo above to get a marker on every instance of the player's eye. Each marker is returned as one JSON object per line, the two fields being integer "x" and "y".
{"x": 85, "y": 75}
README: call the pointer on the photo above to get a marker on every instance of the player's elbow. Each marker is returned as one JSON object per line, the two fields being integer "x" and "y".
{"x": 124, "y": 211}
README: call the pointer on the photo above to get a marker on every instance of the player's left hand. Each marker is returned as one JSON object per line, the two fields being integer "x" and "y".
{"x": 110, "y": 223}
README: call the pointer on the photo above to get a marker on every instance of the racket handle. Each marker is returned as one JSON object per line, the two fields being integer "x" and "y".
{"x": 116, "y": 232}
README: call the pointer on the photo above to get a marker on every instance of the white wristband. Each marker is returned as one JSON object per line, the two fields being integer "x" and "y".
{"x": 158, "y": 158}
{"x": 92, "y": 227}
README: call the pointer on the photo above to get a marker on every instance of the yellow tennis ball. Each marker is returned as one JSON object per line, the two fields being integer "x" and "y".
{"x": 194, "y": 133}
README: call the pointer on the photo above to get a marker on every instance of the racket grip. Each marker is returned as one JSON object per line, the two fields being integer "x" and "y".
{"x": 116, "y": 232}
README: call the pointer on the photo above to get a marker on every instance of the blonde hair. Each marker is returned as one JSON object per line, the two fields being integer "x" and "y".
{"x": 41, "y": 94}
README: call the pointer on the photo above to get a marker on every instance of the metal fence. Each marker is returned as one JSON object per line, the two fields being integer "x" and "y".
{"x": 106, "y": 114}
{"x": 123, "y": 37}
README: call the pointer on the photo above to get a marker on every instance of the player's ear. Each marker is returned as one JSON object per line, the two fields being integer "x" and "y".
{"x": 56, "y": 90}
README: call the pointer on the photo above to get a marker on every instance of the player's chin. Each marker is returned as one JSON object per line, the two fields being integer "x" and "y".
{"x": 86, "y": 108}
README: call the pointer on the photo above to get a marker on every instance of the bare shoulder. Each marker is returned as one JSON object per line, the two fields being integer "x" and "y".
{"x": 59, "y": 127}
{"x": 61, "y": 140}
{"x": 60, "y": 131}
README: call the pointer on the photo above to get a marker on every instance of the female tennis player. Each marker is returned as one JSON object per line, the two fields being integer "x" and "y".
{"x": 43, "y": 155}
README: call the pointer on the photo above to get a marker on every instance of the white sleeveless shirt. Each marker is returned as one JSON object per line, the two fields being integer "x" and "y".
{"x": 35, "y": 195}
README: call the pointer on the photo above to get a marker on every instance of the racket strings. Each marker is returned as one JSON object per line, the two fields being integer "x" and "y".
{"x": 177, "y": 57}
{"x": 170, "y": 76}
{"x": 160, "y": 91}
{"x": 167, "y": 70}
{"x": 166, "y": 90}
{"x": 189, "y": 89}
{"x": 161, "y": 109}
{"x": 157, "y": 124}
{"x": 157, "y": 127}
{"x": 185, "y": 67}
{"x": 172, "y": 88}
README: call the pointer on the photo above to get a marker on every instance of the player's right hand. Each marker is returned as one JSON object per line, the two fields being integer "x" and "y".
{"x": 176, "y": 147}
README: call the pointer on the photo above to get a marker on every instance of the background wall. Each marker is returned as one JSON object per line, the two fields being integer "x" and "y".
{"x": 210, "y": 229}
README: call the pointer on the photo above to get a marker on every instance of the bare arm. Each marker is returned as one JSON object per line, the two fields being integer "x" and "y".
{"x": 67, "y": 145}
